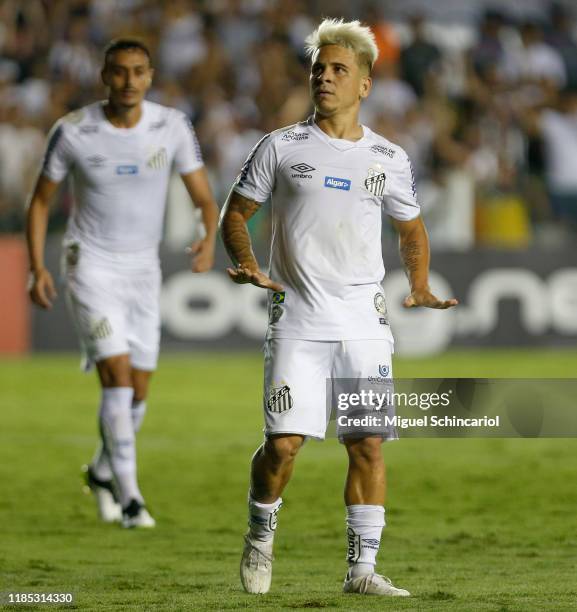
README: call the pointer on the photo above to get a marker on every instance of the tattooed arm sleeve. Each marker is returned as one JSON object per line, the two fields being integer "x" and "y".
{"x": 235, "y": 213}
{"x": 414, "y": 249}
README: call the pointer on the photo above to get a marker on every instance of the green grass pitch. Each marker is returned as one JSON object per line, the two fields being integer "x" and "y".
{"x": 472, "y": 524}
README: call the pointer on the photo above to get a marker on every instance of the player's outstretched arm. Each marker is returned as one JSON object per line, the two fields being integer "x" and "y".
{"x": 236, "y": 211}
{"x": 198, "y": 187}
{"x": 42, "y": 291}
{"x": 414, "y": 248}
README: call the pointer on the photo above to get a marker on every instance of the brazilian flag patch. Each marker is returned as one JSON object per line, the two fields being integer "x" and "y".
{"x": 278, "y": 297}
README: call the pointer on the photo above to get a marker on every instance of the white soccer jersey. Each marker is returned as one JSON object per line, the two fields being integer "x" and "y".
{"x": 327, "y": 196}
{"x": 120, "y": 176}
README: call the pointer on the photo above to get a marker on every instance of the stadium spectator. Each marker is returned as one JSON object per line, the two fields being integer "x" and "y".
{"x": 561, "y": 38}
{"x": 419, "y": 58}
{"x": 489, "y": 50}
{"x": 558, "y": 128}
{"x": 534, "y": 62}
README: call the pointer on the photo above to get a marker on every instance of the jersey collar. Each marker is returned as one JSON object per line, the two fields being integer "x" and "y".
{"x": 139, "y": 127}
{"x": 338, "y": 143}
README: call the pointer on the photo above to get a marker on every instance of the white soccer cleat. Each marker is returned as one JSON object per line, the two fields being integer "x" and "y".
{"x": 136, "y": 516}
{"x": 373, "y": 584}
{"x": 109, "y": 510}
{"x": 256, "y": 566}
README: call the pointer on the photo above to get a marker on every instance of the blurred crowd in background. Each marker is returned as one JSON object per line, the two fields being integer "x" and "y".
{"x": 486, "y": 107}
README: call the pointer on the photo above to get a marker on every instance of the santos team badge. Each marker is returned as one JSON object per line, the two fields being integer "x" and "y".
{"x": 279, "y": 400}
{"x": 375, "y": 181}
{"x": 158, "y": 159}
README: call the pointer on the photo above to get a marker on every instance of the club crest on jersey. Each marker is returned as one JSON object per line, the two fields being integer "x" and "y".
{"x": 279, "y": 399}
{"x": 276, "y": 312}
{"x": 375, "y": 181}
{"x": 337, "y": 183}
{"x": 158, "y": 159}
{"x": 100, "y": 329}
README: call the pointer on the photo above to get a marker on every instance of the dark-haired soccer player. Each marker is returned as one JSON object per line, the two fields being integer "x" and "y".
{"x": 329, "y": 179}
{"x": 120, "y": 154}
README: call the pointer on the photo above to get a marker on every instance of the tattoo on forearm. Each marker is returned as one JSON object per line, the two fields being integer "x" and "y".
{"x": 234, "y": 232}
{"x": 411, "y": 254}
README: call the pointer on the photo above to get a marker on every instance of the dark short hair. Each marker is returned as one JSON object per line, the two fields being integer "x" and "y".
{"x": 124, "y": 44}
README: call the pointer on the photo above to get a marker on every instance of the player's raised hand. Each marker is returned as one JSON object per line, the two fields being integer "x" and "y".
{"x": 425, "y": 298}
{"x": 41, "y": 290}
{"x": 242, "y": 275}
{"x": 202, "y": 255}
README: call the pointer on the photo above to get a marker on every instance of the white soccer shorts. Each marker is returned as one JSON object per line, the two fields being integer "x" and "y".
{"x": 295, "y": 381}
{"x": 116, "y": 311}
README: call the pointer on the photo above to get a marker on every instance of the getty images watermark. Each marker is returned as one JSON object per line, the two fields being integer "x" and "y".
{"x": 452, "y": 407}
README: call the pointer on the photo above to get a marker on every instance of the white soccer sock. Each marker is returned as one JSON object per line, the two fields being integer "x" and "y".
{"x": 118, "y": 434}
{"x": 100, "y": 464}
{"x": 364, "y": 526}
{"x": 137, "y": 413}
{"x": 262, "y": 519}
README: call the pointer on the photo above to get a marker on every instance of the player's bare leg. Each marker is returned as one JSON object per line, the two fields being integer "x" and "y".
{"x": 118, "y": 426}
{"x": 365, "y": 490}
{"x": 271, "y": 469}
{"x": 272, "y": 466}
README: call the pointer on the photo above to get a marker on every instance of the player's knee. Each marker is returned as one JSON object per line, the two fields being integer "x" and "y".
{"x": 366, "y": 451}
{"x": 282, "y": 449}
{"x": 115, "y": 372}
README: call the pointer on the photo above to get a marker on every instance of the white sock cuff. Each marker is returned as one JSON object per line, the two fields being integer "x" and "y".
{"x": 118, "y": 394}
{"x": 275, "y": 505}
{"x": 361, "y": 515}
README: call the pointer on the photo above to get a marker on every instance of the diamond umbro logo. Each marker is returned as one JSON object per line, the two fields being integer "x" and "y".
{"x": 303, "y": 168}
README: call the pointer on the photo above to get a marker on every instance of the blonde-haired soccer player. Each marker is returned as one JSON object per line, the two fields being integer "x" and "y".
{"x": 329, "y": 178}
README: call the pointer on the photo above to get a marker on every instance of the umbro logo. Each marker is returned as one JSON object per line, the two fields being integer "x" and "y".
{"x": 372, "y": 541}
{"x": 302, "y": 170}
{"x": 96, "y": 160}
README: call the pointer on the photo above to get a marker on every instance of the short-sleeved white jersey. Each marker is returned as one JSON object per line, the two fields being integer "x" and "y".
{"x": 120, "y": 176}
{"x": 327, "y": 199}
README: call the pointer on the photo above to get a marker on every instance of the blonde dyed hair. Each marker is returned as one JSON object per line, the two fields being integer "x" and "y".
{"x": 349, "y": 34}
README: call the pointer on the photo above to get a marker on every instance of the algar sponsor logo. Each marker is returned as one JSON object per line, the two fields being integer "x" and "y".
{"x": 337, "y": 183}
